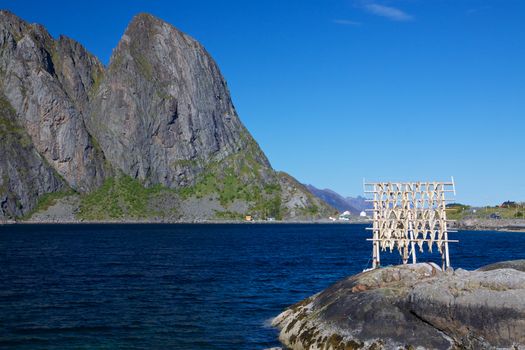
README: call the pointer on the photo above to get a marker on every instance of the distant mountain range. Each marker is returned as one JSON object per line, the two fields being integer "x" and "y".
{"x": 355, "y": 205}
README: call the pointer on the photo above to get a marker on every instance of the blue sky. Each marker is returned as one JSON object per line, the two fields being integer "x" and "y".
{"x": 340, "y": 90}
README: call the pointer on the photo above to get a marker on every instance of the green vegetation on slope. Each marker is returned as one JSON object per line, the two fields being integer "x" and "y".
{"x": 504, "y": 213}
{"x": 119, "y": 197}
{"x": 47, "y": 200}
{"x": 265, "y": 200}
{"x": 311, "y": 210}
{"x": 457, "y": 211}
{"x": 10, "y": 132}
{"x": 123, "y": 197}
{"x": 240, "y": 183}
{"x": 240, "y": 177}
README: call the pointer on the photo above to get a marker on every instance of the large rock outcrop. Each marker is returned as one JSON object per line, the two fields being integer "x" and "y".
{"x": 413, "y": 306}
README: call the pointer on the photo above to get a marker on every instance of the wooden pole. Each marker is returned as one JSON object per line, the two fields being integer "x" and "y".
{"x": 412, "y": 242}
{"x": 378, "y": 249}
{"x": 447, "y": 257}
{"x": 375, "y": 256}
{"x": 443, "y": 262}
{"x": 405, "y": 255}
{"x": 375, "y": 250}
{"x": 445, "y": 233}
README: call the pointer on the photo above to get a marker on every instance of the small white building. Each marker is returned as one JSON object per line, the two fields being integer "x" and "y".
{"x": 345, "y": 216}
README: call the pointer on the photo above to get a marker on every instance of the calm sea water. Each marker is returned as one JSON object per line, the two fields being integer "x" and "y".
{"x": 181, "y": 286}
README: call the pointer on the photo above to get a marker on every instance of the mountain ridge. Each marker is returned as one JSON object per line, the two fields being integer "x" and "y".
{"x": 151, "y": 136}
{"x": 355, "y": 205}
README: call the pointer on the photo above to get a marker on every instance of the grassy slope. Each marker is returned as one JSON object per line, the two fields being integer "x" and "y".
{"x": 459, "y": 212}
{"x": 120, "y": 197}
{"x": 47, "y": 200}
{"x": 239, "y": 177}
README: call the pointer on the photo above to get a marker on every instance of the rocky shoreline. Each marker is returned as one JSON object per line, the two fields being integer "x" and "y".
{"x": 413, "y": 307}
{"x": 65, "y": 210}
{"x": 490, "y": 225}
{"x": 67, "y": 218}
{"x": 255, "y": 222}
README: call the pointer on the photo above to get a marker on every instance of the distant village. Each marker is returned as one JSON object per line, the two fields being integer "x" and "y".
{"x": 348, "y": 216}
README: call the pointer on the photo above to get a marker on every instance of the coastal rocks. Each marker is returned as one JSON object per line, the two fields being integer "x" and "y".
{"x": 412, "y": 306}
{"x": 512, "y": 264}
{"x": 490, "y": 224}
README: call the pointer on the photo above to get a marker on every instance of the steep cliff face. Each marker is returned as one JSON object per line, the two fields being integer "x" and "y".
{"x": 24, "y": 174}
{"x": 47, "y": 84}
{"x": 164, "y": 105}
{"x": 153, "y": 135}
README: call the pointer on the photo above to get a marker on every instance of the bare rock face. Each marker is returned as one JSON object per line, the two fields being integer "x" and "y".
{"x": 412, "y": 307}
{"x": 47, "y": 84}
{"x": 24, "y": 174}
{"x": 164, "y": 105}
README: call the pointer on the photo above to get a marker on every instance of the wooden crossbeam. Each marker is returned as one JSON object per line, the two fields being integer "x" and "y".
{"x": 411, "y": 240}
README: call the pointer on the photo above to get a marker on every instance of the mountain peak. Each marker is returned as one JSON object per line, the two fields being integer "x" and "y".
{"x": 173, "y": 93}
{"x": 6, "y": 14}
{"x": 12, "y": 23}
{"x": 144, "y": 20}
{"x": 145, "y": 24}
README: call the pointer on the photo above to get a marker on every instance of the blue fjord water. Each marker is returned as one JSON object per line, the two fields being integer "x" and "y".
{"x": 182, "y": 286}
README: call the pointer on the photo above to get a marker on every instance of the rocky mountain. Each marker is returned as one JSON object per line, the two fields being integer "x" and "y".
{"x": 355, "y": 205}
{"x": 153, "y": 136}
